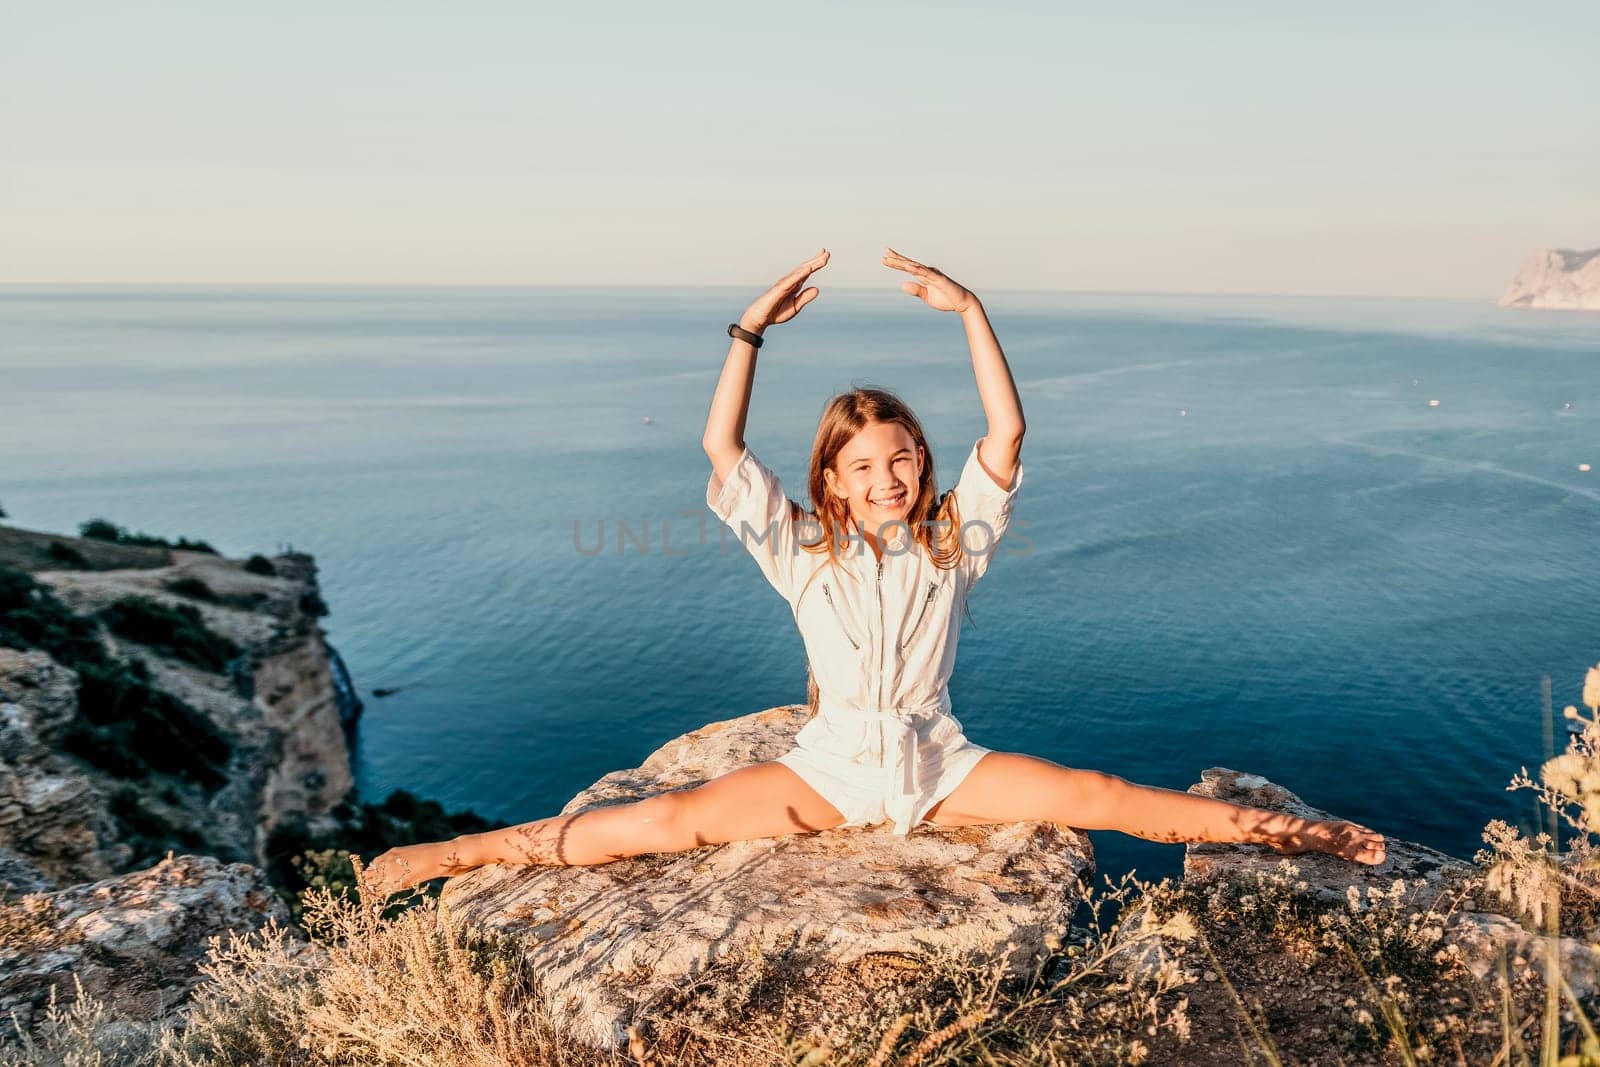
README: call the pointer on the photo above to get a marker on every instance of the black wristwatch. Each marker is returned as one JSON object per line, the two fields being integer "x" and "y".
{"x": 742, "y": 334}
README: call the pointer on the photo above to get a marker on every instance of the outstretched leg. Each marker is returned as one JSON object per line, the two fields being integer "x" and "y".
{"x": 1014, "y": 787}
{"x": 761, "y": 800}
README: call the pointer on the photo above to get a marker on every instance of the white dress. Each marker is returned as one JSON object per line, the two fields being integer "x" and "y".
{"x": 881, "y": 638}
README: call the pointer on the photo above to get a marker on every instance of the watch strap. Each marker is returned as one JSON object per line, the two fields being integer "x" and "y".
{"x": 742, "y": 334}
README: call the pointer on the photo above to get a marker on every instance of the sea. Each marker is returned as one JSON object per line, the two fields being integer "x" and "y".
{"x": 1343, "y": 543}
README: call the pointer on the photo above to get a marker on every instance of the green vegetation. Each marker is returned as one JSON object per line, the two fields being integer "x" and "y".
{"x": 176, "y": 632}
{"x": 195, "y": 589}
{"x": 105, "y": 530}
{"x": 125, "y": 726}
{"x": 298, "y": 859}
{"x": 64, "y": 553}
{"x": 128, "y": 727}
{"x": 259, "y": 564}
{"x": 30, "y": 617}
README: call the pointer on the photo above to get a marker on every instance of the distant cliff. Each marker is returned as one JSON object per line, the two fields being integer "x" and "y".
{"x": 1557, "y": 279}
{"x": 156, "y": 699}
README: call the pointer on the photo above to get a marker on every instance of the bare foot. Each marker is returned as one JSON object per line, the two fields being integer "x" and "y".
{"x": 409, "y": 865}
{"x": 1347, "y": 840}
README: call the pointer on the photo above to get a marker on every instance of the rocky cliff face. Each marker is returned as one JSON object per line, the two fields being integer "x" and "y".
{"x": 55, "y": 820}
{"x": 1557, "y": 279}
{"x": 118, "y": 743}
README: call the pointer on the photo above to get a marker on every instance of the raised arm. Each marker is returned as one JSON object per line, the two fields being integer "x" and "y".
{"x": 723, "y": 439}
{"x": 997, "y": 390}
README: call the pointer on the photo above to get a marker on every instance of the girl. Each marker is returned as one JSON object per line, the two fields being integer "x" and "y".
{"x": 873, "y": 577}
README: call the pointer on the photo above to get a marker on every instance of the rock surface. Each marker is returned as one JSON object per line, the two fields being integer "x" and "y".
{"x": 614, "y": 938}
{"x": 1428, "y": 872}
{"x": 133, "y": 940}
{"x": 1558, "y": 279}
{"x": 54, "y": 820}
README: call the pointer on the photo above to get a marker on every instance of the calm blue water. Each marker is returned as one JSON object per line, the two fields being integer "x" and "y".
{"x": 1311, "y": 574}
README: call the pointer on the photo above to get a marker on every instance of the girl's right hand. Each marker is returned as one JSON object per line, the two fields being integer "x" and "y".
{"x": 785, "y": 299}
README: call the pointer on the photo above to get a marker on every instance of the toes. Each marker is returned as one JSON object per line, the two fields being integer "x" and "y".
{"x": 387, "y": 873}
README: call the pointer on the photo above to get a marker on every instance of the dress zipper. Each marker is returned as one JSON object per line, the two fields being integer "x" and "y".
{"x": 882, "y": 637}
{"x": 933, "y": 588}
{"x": 840, "y": 617}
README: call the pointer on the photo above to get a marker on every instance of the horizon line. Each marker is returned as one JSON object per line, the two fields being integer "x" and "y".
{"x": 680, "y": 288}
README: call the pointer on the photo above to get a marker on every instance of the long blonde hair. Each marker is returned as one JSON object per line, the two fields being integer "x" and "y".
{"x": 934, "y": 518}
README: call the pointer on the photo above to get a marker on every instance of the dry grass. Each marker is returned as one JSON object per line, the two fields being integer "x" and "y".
{"x": 418, "y": 988}
{"x": 82, "y": 1034}
{"x": 1079, "y": 1004}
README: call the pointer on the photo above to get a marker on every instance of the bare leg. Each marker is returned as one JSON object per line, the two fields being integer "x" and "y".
{"x": 761, "y": 800}
{"x": 1014, "y": 787}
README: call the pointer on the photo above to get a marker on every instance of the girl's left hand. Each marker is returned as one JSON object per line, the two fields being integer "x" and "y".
{"x": 935, "y": 290}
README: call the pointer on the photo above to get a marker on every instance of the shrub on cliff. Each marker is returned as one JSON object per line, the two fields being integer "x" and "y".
{"x": 65, "y": 553}
{"x": 259, "y": 564}
{"x": 178, "y": 632}
{"x": 193, "y": 588}
{"x": 130, "y": 728}
{"x": 105, "y": 530}
{"x": 30, "y": 617}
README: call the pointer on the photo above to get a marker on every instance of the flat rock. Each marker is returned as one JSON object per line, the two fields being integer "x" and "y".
{"x": 1427, "y": 872}
{"x": 1488, "y": 939}
{"x": 612, "y": 939}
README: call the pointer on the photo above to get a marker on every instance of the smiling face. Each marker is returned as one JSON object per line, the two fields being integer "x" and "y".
{"x": 877, "y": 474}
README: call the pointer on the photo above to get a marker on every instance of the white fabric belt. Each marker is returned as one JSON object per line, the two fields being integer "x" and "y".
{"x": 890, "y": 742}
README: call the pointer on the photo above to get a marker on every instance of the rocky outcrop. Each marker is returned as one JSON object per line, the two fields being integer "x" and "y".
{"x": 1431, "y": 879}
{"x": 1428, "y": 873}
{"x": 133, "y": 941}
{"x": 55, "y": 825}
{"x": 272, "y": 719}
{"x": 615, "y": 940}
{"x": 1557, "y": 279}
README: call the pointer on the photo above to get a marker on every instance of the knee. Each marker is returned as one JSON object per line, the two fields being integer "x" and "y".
{"x": 1114, "y": 784}
{"x": 1098, "y": 798}
{"x": 660, "y": 818}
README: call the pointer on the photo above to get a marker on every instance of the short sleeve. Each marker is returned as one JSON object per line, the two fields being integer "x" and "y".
{"x": 754, "y": 506}
{"x": 985, "y": 513}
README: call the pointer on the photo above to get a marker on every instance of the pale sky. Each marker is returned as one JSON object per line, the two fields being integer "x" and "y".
{"x": 1404, "y": 149}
